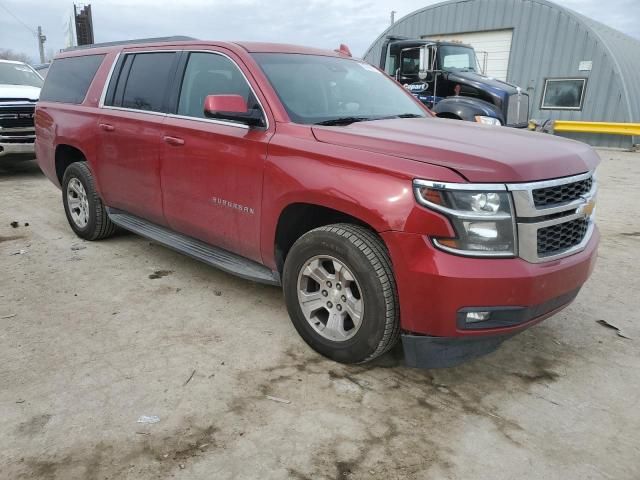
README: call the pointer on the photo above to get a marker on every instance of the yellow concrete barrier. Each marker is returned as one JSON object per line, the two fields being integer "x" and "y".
{"x": 631, "y": 129}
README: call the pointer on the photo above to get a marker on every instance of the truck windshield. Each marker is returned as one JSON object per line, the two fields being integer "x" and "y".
{"x": 330, "y": 90}
{"x": 454, "y": 57}
{"x": 19, "y": 74}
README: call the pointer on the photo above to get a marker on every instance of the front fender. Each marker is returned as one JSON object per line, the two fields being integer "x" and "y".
{"x": 374, "y": 188}
{"x": 468, "y": 108}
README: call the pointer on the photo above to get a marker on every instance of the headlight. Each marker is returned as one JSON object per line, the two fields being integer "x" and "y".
{"x": 481, "y": 215}
{"x": 488, "y": 120}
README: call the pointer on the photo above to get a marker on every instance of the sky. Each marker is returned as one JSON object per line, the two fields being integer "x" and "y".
{"x": 317, "y": 23}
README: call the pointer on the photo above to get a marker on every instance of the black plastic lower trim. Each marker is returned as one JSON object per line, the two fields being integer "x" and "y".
{"x": 442, "y": 352}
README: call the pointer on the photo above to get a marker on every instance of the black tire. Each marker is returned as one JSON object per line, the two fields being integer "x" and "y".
{"x": 366, "y": 256}
{"x": 99, "y": 225}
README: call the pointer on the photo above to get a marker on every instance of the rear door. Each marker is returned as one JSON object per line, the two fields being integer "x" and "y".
{"x": 212, "y": 170}
{"x": 130, "y": 130}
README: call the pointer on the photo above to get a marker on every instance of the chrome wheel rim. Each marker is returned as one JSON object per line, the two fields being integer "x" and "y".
{"x": 78, "y": 203}
{"x": 330, "y": 298}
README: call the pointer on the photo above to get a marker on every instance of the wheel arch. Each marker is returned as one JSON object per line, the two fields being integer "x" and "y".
{"x": 298, "y": 218}
{"x": 466, "y": 108}
{"x": 65, "y": 155}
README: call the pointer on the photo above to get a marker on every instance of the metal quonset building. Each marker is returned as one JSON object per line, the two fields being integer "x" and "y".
{"x": 548, "y": 50}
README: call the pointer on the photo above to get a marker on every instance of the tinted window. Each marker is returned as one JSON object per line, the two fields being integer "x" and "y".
{"x": 563, "y": 94}
{"x": 410, "y": 62}
{"x": 210, "y": 74}
{"x": 68, "y": 79}
{"x": 146, "y": 83}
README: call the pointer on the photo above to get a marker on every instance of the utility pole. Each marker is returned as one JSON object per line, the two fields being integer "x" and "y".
{"x": 41, "y": 39}
{"x": 393, "y": 17}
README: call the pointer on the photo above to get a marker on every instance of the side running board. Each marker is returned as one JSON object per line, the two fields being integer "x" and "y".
{"x": 214, "y": 256}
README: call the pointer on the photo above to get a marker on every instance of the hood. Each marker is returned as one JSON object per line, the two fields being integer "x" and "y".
{"x": 19, "y": 92}
{"x": 481, "y": 81}
{"x": 480, "y": 153}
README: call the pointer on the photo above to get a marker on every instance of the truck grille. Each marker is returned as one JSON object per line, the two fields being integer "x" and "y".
{"x": 16, "y": 116}
{"x": 563, "y": 236}
{"x": 518, "y": 109}
{"x": 17, "y": 123}
{"x": 543, "y": 197}
{"x": 554, "y": 218}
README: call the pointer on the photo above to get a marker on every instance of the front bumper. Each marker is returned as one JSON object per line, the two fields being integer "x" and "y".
{"x": 20, "y": 150}
{"x": 436, "y": 288}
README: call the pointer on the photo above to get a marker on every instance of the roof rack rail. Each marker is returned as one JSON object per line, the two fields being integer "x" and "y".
{"x": 174, "y": 38}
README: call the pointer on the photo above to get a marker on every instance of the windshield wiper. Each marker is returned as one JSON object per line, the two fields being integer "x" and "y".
{"x": 343, "y": 121}
{"x": 401, "y": 115}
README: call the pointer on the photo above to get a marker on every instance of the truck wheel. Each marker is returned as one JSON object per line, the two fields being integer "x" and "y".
{"x": 341, "y": 293}
{"x": 85, "y": 212}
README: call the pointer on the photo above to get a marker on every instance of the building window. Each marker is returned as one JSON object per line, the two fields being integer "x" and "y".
{"x": 563, "y": 93}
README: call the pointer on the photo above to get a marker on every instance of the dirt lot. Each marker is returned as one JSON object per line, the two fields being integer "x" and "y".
{"x": 94, "y": 335}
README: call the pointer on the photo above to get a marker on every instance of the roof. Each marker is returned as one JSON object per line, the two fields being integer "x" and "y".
{"x": 261, "y": 47}
{"x": 253, "y": 47}
{"x": 625, "y": 53}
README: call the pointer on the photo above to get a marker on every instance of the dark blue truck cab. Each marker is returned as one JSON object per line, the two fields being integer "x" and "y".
{"x": 446, "y": 77}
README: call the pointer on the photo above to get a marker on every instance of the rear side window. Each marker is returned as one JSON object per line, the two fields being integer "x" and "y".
{"x": 69, "y": 78}
{"x": 142, "y": 81}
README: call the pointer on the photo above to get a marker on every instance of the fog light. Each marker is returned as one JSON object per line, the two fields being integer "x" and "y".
{"x": 475, "y": 317}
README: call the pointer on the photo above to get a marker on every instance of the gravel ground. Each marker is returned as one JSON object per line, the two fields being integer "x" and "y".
{"x": 94, "y": 335}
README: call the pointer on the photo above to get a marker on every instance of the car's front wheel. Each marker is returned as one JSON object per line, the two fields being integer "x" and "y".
{"x": 341, "y": 293}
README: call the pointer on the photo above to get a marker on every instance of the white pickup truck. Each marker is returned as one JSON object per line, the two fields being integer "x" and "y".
{"x": 19, "y": 91}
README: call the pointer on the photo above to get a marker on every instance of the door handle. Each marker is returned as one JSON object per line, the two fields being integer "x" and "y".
{"x": 175, "y": 141}
{"x": 106, "y": 127}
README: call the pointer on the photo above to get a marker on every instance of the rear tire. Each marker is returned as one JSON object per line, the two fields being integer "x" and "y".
{"x": 341, "y": 293}
{"x": 85, "y": 211}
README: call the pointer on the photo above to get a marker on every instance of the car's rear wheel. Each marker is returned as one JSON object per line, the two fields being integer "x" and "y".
{"x": 341, "y": 294}
{"x": 85, "y": 212}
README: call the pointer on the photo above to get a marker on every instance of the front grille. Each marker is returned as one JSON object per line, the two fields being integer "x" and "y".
{"x": 544, "y": 197}
{"x": 14, "y": 116}
{"x": 518, "y": 109}
{"x": 563, "y": 236}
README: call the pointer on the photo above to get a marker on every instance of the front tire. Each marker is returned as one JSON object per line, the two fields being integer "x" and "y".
{"x": 341, "y": 293}
{"x": 85, "y": 212}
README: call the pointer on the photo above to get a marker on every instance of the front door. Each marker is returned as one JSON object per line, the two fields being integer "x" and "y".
{"x": 212, "y": 170}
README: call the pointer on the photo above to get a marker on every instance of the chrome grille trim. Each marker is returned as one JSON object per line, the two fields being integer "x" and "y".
{"x": 518, "y": 109}
{"x": 527, "y": 214}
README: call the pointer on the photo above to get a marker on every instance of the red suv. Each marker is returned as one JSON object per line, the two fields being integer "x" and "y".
{"x": 315, "y": 171}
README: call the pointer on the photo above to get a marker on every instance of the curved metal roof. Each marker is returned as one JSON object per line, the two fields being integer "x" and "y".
{"x": 549, "y": 41}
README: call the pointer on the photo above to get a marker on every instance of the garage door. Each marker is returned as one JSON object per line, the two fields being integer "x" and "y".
{"x": 493, "y": 49}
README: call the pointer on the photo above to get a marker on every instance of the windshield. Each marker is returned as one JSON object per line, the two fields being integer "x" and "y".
{"x": 19, "y": 74}
{"x": 453, "y": 57}
{"x": 318, "y": 89}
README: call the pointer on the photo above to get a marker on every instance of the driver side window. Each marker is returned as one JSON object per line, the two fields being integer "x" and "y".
{"x": 210, "y": 74}
{"x": 410, "y": 62}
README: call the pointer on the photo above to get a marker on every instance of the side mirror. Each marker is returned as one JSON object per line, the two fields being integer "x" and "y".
{"x": 231, "y": 107}
{"x": 423, "y": 62}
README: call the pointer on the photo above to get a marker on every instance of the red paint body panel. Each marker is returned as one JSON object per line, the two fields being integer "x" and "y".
{"x": 208, "y": 182}
{"x": 481, "y": 153}
{"x": 434, "y": 285}
{"x": 178, "y": 172}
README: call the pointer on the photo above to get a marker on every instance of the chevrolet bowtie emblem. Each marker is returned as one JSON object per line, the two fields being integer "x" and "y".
{"x": 588, "y": 208}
